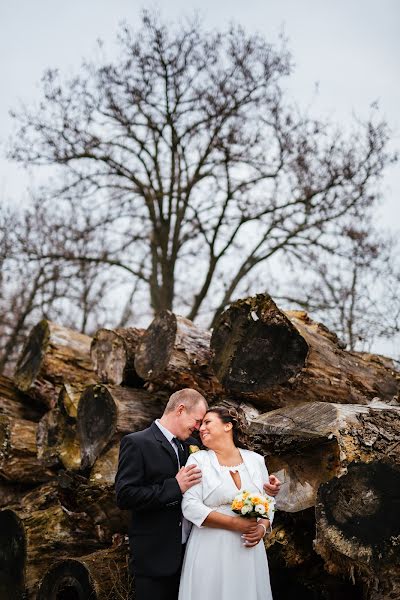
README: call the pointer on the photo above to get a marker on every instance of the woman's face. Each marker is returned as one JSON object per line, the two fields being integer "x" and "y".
{"x": 213, "y": 431}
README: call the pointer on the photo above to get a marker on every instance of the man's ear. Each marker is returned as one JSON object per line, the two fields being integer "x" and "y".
{"x": 180, "y": 409}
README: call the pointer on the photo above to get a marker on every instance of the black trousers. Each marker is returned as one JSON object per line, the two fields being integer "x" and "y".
{"x": 158, "y": 588}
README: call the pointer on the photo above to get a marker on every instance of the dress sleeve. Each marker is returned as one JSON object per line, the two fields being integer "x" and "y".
{"x": 265, "y": 478}
{"x": 193, "y": 508}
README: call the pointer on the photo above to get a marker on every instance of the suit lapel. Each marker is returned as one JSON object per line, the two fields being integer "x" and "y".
{"x": 160, "y": 437}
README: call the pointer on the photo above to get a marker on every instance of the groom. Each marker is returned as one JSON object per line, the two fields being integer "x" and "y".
{"x": 150, "y": 482}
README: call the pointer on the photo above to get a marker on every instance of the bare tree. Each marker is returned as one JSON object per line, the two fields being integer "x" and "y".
{"x": 34, "y": 285}
{"x": 354, "y": 290}
{"x": 197, "y": 167}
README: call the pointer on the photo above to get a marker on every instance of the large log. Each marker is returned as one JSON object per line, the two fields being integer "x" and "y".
{"x": 174, "y": 353}
{"x": 274, "y": 358}
{"x": 14, "y": 403}
{"x": 105, "y": 413}
{"x": 18, "y": 452}
{"x": 113, "y": 355}
{"x": 358, "y": 526}
{"x": 33, "y": 539}
{"x": 102, "y": 575}
{"x": 310, "y": 443}
{"x": 51, "y": 356}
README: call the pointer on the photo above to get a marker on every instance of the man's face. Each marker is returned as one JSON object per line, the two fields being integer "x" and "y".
{"x": 190, "y": 420}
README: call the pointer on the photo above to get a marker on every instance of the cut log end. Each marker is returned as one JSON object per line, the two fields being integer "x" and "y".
{"x": 113, "y": 355}
{"x": 33, "y": 352}
{"x": 67, "y": 580}
{"x": 13, "y": 552}
{"x": 96, "y": 422}
{"x": 255, "y": 346}
{"x": 156, "y": 346}
{"x": 358, "y": 514}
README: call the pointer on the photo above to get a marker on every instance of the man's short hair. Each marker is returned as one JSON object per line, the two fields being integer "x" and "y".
{"x": 188, "y": 396}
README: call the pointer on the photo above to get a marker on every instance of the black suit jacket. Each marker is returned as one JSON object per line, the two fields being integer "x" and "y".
{"x": 146, "y": 485}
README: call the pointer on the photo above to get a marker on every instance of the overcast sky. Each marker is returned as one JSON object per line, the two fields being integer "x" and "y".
{"x": 350, "y": 48}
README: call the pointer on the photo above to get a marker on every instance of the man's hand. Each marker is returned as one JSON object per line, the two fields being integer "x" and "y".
{"x": 187, "y": 477}
{"x": 272, "y": 488}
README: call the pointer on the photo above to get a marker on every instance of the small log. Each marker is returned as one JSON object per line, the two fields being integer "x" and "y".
{"x": 272, "y": 359}
{"x": 57, "y": 437}
{"x": 113, "y": 355}
{"x": 106, "y": 413}
{"x": 174, "y": 353}
{"x": 102, "y": 575}
{"x": 18, "y": 452}
{"x": 33, "y": 539}
{"x": 14, "y": 403}
{"x": 310, "y": 443}
{"x": 51, "y": 356}
{"x": 358, "y": 525}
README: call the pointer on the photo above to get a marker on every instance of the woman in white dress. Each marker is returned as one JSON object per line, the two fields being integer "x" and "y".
{"x": 225, "y": 557}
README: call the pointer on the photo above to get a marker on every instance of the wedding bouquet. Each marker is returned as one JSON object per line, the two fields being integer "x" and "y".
{"x": 252, "y": 505}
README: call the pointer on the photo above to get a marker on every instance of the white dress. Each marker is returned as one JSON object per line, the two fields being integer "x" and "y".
{"x": 217, "y": 566}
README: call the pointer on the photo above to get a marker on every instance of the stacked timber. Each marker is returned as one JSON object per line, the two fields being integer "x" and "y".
{"x": 326, "y": 419}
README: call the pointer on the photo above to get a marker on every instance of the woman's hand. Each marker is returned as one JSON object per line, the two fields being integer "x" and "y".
{"x": 244, "y": 526}
{"x": 251, "y": 539}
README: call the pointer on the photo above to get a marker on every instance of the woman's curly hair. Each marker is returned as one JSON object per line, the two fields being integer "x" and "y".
{"x": 237, "y": 417}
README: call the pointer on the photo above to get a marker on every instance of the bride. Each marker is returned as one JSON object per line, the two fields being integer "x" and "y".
{"x": 225, "y": 558}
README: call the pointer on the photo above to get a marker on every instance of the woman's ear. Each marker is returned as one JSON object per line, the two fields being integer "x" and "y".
{"x": 228, "y": 426}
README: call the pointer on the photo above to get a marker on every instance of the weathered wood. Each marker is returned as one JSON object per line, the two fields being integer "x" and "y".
{"x": 174, "y": 353}
{"x": 102, "y": 575}
{"x": 18, "y": 452}
{"x": 33, "y": 539}
{"x": 14, "y": 403}
{"x": 51, "y": 356}
{"x": 108, "y": 412}
{"x": 274, "y": 358}
{"x": 358, "y": 525}
{"x": 96, "y": 495}
{"x": 310, "y": 443}
{"x": 113, "y": 355}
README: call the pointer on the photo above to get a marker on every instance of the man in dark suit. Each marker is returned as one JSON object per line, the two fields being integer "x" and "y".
{"x": 150, "y": 482}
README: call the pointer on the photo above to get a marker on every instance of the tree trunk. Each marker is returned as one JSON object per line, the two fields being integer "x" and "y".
{"x": 51, "y": 356}
{"x": 358, "y": 526}
{"x": 18, "y": 452}
{"x": 175, "y": 354}
{"x": 106, "y": 413}
{"x": 102, "y": 575}
{"x": 113, "y": 355}
{"x": 274, "y": 359}
{"x": 310, "y": 443}
{"x": 15, "y": 403}
{"x": 34, "y": 539}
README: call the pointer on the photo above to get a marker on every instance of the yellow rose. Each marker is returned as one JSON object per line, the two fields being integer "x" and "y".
{"x": 193, "y": 449}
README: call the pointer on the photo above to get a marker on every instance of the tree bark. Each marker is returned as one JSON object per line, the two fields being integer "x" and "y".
{"x": 33, "y": 539}
{"x": 51, "y": 356}
{"x": 310, "y": 443}
{"x": 14, "y": 403}
{"x": 106, "y": 413}
{"x": 18, "y": 452}
{"x": 102, "y": 575}
{"x": 96, "y": 495}
{"x": 358, "y": 526}
{"x": 274, "y": 359}
{"x": 174, "y": 353}
{"x": 113, "y": 355}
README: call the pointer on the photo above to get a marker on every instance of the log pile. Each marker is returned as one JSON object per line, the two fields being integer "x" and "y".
{"x": 326, "y": 419}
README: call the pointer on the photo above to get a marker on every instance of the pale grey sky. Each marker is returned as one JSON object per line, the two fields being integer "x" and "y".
{"x": 351, "y": 48}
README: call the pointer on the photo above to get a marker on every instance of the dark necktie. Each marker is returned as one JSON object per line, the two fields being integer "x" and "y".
{"x": 181, "y": 453}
